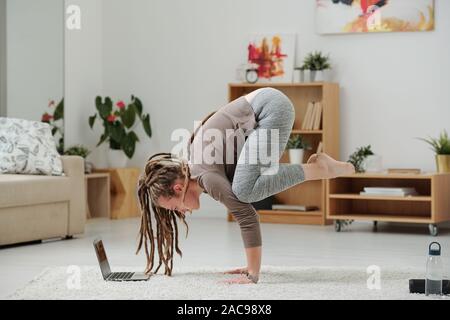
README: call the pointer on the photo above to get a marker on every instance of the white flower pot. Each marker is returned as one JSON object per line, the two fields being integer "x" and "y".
{"x": 319, "y": 76}
{"x": 372, "y": 163}
{"x": 117, "y": 158}
{"x": 296, "y": 156}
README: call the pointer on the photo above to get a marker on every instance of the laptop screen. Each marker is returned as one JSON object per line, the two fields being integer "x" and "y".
{"x": 102, "y": 259}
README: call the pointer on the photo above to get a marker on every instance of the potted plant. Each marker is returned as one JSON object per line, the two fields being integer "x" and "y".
{"x": 56, "y": 121}
{"x": 359, "y": 157}
{"x": 441, "y": 148}
{"x": 82, "y": 151}
{"x": 296, "y": 146}
{"x": 316, "y": 63}
{"x": 118, "y": 122}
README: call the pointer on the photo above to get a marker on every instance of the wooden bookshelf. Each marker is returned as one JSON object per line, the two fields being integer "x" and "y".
{"x": 310, "y": 192}
{"x": 431, "y": 206}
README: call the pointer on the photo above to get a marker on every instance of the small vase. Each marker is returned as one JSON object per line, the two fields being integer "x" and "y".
{"x": 372, "y": 163}
{"x": 303, "y": 76}
{"x": 117, "y": 158}
{"x": 299, "y": 76}
{"x": 296, "y": 156}
{"x": 443, "y": 163}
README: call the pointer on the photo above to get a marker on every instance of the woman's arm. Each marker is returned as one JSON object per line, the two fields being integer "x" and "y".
{"x": 254, "y": 262}
{"x": 219, "y": 187}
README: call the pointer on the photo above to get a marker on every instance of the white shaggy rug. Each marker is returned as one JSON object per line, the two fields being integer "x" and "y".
{"x": 204, "y": 283}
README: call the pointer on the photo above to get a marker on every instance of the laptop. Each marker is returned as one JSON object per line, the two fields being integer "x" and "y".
{"x": 115, "y": 276}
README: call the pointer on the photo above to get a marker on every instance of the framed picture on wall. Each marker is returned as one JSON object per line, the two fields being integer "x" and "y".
{"x": 272, "y": 56}
{"x": 364, "y": 16}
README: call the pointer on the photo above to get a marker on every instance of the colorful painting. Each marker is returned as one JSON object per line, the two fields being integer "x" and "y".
{"x": 351, "y": 16}
{"x": 272, "y": 56}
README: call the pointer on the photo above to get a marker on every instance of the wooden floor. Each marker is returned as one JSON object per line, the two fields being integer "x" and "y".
{"x": 215, "y": 242}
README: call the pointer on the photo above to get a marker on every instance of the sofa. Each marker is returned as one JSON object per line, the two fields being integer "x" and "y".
{"x": 39, "y": 207}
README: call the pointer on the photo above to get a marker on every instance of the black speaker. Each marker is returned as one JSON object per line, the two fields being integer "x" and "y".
{"x": 418, "y": 286}
{"x": 264, "y": 204}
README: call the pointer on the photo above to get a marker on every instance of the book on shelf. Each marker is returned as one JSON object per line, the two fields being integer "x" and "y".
{"x": 293, "y": 207}
{"x": 317, "y": 115}
{"x": 308, "y": 115}
{"x": 389, "y": 191}
{"x": 312, "y": 116}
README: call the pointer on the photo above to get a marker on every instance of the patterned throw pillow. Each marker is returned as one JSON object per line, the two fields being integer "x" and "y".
{"x": 28, "y": 147}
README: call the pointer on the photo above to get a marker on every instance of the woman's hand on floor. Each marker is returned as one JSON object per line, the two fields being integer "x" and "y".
{"x": 242, "y": 270}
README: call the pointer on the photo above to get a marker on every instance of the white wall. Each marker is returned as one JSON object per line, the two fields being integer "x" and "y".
{"x": 2, "y": 58}
{"x": 83, "y": 74}
{"x": 34, "y": 56}
{"x": 178, "y": 57}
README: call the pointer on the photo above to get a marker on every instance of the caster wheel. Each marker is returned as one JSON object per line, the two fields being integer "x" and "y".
{"x": 337, "y": 225}
{"x": 375, "y": 225}
{"x": 433, "y": 229}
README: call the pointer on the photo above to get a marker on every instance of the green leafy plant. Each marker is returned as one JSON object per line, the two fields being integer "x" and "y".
{"x": 78, "y": 150}
{"x": 296, "y": 141}
{"x": 118, "y": 122}
{"x": 56, "y": 120}
{"x": 357, "y": 157}
{"x": 346, "y": 223}
{"x": 316, "y": 61}
{"x": 439, "y": 145}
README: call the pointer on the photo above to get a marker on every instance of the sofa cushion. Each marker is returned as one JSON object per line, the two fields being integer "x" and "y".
{"x": 22, "y": 190}
{"x": 28, "y": 147}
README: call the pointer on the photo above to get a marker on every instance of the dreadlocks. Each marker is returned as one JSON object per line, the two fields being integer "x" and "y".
{"x": 161, "y": 171}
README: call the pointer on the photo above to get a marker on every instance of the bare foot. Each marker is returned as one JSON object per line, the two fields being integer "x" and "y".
{"x": 329, "y": 167}
{"x": 334, "y": 168}
{"x": 312, "y": 158}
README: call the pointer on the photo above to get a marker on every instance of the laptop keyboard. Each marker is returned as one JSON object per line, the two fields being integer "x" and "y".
{"x": 118, "y": 276}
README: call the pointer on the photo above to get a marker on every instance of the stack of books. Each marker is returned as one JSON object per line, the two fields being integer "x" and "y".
{"x": 313, "y": 116}
{"x": 389, "y": 191}
{"x": 294, "y": 207}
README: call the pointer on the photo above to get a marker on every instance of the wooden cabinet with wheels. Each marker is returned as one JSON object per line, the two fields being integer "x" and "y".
{"x": 430, "y": 206}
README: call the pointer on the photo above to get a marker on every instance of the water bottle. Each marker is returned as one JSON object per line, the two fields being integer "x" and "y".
{"x": 433, "y": 279}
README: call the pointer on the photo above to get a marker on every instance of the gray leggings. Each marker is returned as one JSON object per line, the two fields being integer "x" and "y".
{"x": 257, "y": 180}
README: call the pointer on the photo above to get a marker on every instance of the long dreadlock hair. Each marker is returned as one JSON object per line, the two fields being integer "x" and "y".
{"x": 160, "y": 173}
